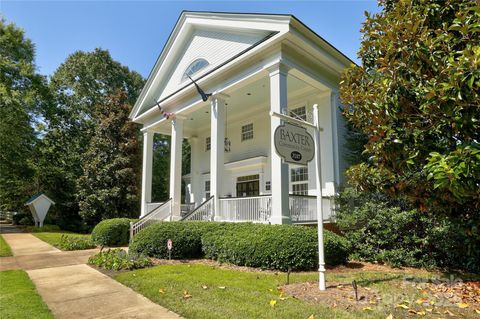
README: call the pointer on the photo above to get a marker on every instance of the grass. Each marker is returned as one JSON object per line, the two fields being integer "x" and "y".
{"x": 55, "y": 239}
{"x": 4, "y": 248}
{"x": 19, "y": 298}
{"x": 248, "y": 294}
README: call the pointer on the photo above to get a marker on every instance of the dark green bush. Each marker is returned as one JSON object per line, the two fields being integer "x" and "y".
{"x": 383, "y": 230}
{"x": 112, "y": 232}
{"x": 119, "y": 259}
{"x": 44, "y": 228}
{"x": 22, "y": 219}
{"x": 186, "y": 237}
{"x": 279, "y": 247}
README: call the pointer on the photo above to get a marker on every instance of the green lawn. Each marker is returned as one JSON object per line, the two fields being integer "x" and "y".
{"x": 248, "y": 294}
{"x": 4, "y": 248}
{"x": 55, "y": 239}
{"x": 19, "y": 298}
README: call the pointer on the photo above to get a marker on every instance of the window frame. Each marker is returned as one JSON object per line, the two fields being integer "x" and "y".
{"x": 247, "y": 132}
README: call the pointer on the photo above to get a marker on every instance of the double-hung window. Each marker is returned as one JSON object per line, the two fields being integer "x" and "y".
{"x": 247, "y": 132}
{"x": 299, "y": 180}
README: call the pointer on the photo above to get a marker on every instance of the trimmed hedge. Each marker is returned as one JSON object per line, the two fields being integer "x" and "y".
{"x": 112, "y": 232}
{"x": 280, "y": 247}
{"x": 186, "y": 238}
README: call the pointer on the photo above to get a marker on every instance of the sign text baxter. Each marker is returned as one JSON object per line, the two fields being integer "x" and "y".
{"x": 294, "y": 144}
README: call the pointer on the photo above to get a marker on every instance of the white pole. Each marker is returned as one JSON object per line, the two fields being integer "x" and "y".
{"x": 318, "y": 168}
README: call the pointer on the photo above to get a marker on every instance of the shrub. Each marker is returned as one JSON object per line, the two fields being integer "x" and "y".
{"x": 112, "y": 232}
{"x": 17, "y": 217}
{"x": 69, "y": 242}
{"x": 384, "y": 230}
{"x": 44, "y": 228}
{"x": 119, "y": 259}
{"x": 186, "y": 237}
{"x": 280, "y": 247}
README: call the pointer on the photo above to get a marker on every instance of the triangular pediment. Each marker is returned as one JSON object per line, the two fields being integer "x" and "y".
{"x": 212, "y": 37}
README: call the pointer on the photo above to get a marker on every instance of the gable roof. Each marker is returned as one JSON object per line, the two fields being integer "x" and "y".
{"x": 37, "y": 197}
{"x": 272, "y": 24}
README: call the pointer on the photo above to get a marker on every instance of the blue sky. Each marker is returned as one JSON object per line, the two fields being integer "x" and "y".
{"x": 135, "y": 31}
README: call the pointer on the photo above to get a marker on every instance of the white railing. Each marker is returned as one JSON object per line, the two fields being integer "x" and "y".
{"x": 185, "y": 209}
{"x": 204, "y": 212}
{"x": 303, "y": 209}
{"x": 159, "y": 214}
{"x": 246, "y": 209}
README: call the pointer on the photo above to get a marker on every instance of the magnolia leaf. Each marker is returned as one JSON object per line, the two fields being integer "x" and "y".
{"x": 204, "y": 286}
{"x": 273, "y": 302}
{"x": 462, "y": 305}
{"x": 221, "y": 287}
{"x": 186, "y": 295}
{"x": 402, "y": 306}
{"x": 161, "y": 290}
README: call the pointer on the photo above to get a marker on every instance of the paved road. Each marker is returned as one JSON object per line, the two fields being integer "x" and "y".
{"x": 72, "y": 289}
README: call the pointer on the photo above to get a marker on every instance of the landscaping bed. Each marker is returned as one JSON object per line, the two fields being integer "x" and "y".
{"x": 206, "y": 289}
{"x": 66, "y": 240}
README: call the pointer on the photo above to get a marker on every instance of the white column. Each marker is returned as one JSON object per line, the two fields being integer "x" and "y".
{"x": 147, "y": 171}
{"x": 176, "y": 167}
{"x": 279, "y": 170}
{"x": 196, "y": 186}
{"x": 217, "y": 149}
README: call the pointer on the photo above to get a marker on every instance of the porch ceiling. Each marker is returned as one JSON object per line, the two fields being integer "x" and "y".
{"x": 242, "y": 102}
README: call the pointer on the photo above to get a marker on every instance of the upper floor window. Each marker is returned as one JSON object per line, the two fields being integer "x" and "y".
{"x": 247, "y": 132}
{"x": 299, "y": 113}
{"x": 194, "y": 67}
{"x": 207, "y": 143}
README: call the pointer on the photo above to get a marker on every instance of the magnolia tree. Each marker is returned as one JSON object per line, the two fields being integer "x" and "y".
{"x": 416, "y": 97}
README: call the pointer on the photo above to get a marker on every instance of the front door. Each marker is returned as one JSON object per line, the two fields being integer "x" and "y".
{"x": 248, "y": 186}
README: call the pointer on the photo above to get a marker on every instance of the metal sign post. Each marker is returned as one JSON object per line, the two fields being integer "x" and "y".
{"x": 169, "y": 247}
{"x": 318, "y": 178}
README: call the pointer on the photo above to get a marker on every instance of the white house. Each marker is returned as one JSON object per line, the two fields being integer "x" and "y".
{"x": 253, "y": 64}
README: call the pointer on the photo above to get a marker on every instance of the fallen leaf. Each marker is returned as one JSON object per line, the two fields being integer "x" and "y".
{"x": 429, "y": 309}
{"x": 421, "y": 300}
{"x": 367, "y": 309}
{"x": 477, "y": 311}
{"x": 205, "y": 287}
{"x": 448, "y": 312}
{"x": 161, "y": 290}
{"x": 402, "y": 306}
{"x": 271, "y": 290}
{"x": 186, "y": 295}
{"x": 222, "y": 287}
{"x": 368, "y": 289}
{"x": 421, "y": 313}
{"x": 372, "y": 302}
{"x": 311, "y": 317}
{"x": 462, "y": 305}
{"x": 390, "y": 316}
{"x": 273, "y": 302}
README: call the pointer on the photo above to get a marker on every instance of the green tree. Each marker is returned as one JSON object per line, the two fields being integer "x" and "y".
{"x": 109, "y": 186}
{"x": 83, "y": 82}
{"x": 23, "y": 94}
{"x": 416, "y": 97}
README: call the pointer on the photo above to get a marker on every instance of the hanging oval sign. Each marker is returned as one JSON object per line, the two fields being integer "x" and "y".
{"x": 294, "y": 144}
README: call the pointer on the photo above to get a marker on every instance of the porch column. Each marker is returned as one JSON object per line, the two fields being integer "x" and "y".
{"x": 176, "y": 167}
{"x": 217, "y": 149}
{"x": 196, "y": 187}
{"x": 279, "y": 170}
{"x": 147, "y": 171}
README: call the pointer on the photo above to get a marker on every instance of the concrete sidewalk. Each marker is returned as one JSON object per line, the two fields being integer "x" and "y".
{"x": 80, "y": 291}
{"x": 72, "y": 289}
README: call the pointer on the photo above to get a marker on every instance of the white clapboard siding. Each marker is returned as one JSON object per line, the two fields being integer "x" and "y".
{"x": 214, "y": 46}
